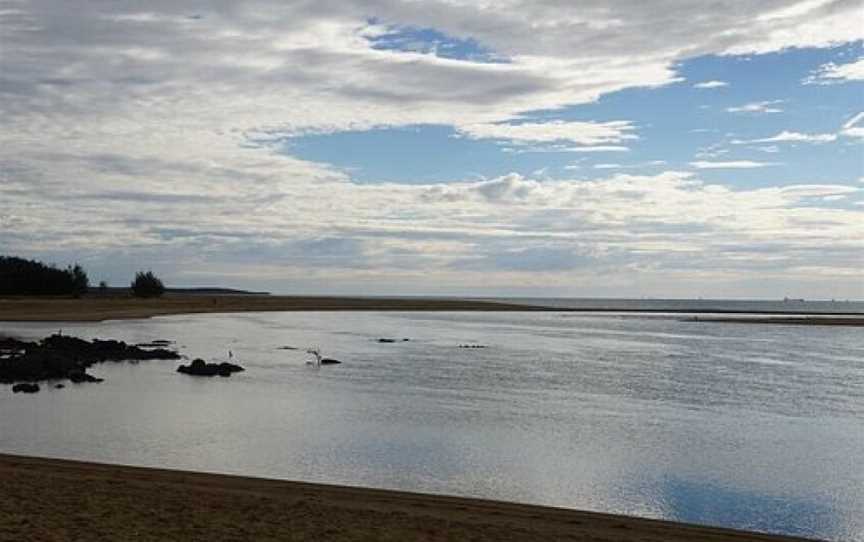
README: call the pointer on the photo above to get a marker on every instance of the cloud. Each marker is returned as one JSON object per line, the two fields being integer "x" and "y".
{"x": 161, "y": 133}
{"x": 711, "y": 84}
{"x": 524, "y": 149}
{"x": 652, "y": 163}
{"x": 581, "y": 133}
{"x": 732, "y": 164}
{"x": 757, "y": 107}
{"x": 854, "y": 127}
{"x": 831, "y": 73}
{"x": 786, "y": 136}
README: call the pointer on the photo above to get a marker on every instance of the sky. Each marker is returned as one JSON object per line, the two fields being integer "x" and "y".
{"x": 447, "y": 147}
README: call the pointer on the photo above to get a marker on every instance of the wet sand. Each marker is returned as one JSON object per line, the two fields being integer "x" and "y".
{"x": 97, "y": 308}
{"x": 57, "y": 500}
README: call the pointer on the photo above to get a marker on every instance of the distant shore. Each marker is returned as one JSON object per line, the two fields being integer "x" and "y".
{"x": 54, "y": 499}
{"x": 101, "y": 307}
{"x": 788, "y": 320}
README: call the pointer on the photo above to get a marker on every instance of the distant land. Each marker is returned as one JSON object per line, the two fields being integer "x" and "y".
{"x": 202, "y": 290}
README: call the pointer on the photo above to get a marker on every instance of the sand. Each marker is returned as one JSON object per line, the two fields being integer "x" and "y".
{"x": 100, "y": 307}
{"x": 97, "y": 308}
{"x": 54, "y": 500}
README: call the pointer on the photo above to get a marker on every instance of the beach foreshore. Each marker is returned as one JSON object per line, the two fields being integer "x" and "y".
{"x": 56, "y": 500}
{"x": 97, "y": 308}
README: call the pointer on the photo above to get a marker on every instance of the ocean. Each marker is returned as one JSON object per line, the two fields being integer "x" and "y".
{"x": 753, "y": 426}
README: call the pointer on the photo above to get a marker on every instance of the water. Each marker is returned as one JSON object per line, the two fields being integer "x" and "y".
{"x": 749, "y": 426}
{"x": 788, "y": 306}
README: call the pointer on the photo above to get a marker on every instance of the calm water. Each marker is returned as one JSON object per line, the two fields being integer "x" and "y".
{"x": 789, "y": 306}
{"x": 749, "y": 426}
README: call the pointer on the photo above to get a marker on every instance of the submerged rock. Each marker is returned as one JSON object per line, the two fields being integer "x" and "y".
{"x": 78, "y": 377}
{"x": 199, "y": 367}
{"x": 330, "y": 361}
{"x": 25, "y": 387}
{"x": 155, "y": 343}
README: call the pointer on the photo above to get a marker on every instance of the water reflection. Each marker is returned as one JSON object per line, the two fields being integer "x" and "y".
{"x": 744, "y": 426}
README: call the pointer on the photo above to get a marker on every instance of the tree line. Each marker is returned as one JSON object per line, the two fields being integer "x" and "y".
{"x": 19, "y": 276}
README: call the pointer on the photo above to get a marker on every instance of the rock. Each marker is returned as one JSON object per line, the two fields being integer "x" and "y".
{"x": 25, "y": 387}
{"x": 330, "y": 361}
{"x": 199, "y": 367}
{"x": 386, "y": 340}
{"x": 62, "y": 356}
{"x": 59, "y": 386}
{"x": 78, "y": 377}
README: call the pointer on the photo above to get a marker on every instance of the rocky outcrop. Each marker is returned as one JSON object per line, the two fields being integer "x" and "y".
{"x": 199, "y": 367}
{"x": 25, "y": 388}
{"x": 61, "y": 357}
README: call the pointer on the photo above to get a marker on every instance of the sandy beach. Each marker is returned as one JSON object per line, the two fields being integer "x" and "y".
{"x": 94, "y": 309}
{"x": 98, "y": 308}
{"x": 56, "y": 500}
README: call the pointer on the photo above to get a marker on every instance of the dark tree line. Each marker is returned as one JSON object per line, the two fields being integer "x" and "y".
{"x": 26, "y": 277}
{"x": 29, "y": 277}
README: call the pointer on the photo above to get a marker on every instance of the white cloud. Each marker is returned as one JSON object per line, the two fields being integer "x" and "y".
{"x": 831, "y": 73}
{"x": 786, "y": 136}
{"x": 580, "y": 133}
{"x": 711, "y": 84}
{"x": 769, "y": 106}
{"x": 854, "y": 127}
{"x": 152, "y": 134}
{"x": 519, "y": 147}
{"x": 731, "y": 164}
{"x": 640, "y": 165}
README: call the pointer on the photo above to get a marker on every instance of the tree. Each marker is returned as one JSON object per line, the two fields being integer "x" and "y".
{"x": 29, "y": 277}
{"x": 146, "y": 284}
{"x": 80, "y": 280}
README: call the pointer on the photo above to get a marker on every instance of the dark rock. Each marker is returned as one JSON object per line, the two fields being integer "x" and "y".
{"x": 25, "y": 387}
{"x": 62, "y": 356}
{"x": 8, "y": 343}
{"x": 330, "y": 361}
{"x": 386, "y": 340}
{"x": 155, "y": 343}
{"x": 78, "y": 377}
{"x": 59, "y": 386}
{"x": 199, "y": 367}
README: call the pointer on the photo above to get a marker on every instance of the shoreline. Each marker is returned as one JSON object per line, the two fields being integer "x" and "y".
{"x": 59, "y": 499}
{"x": 97, "y": 309}
{"x": 100, "y": 308}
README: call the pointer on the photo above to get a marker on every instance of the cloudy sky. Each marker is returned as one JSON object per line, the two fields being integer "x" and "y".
{"x": 668, "y": 148}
